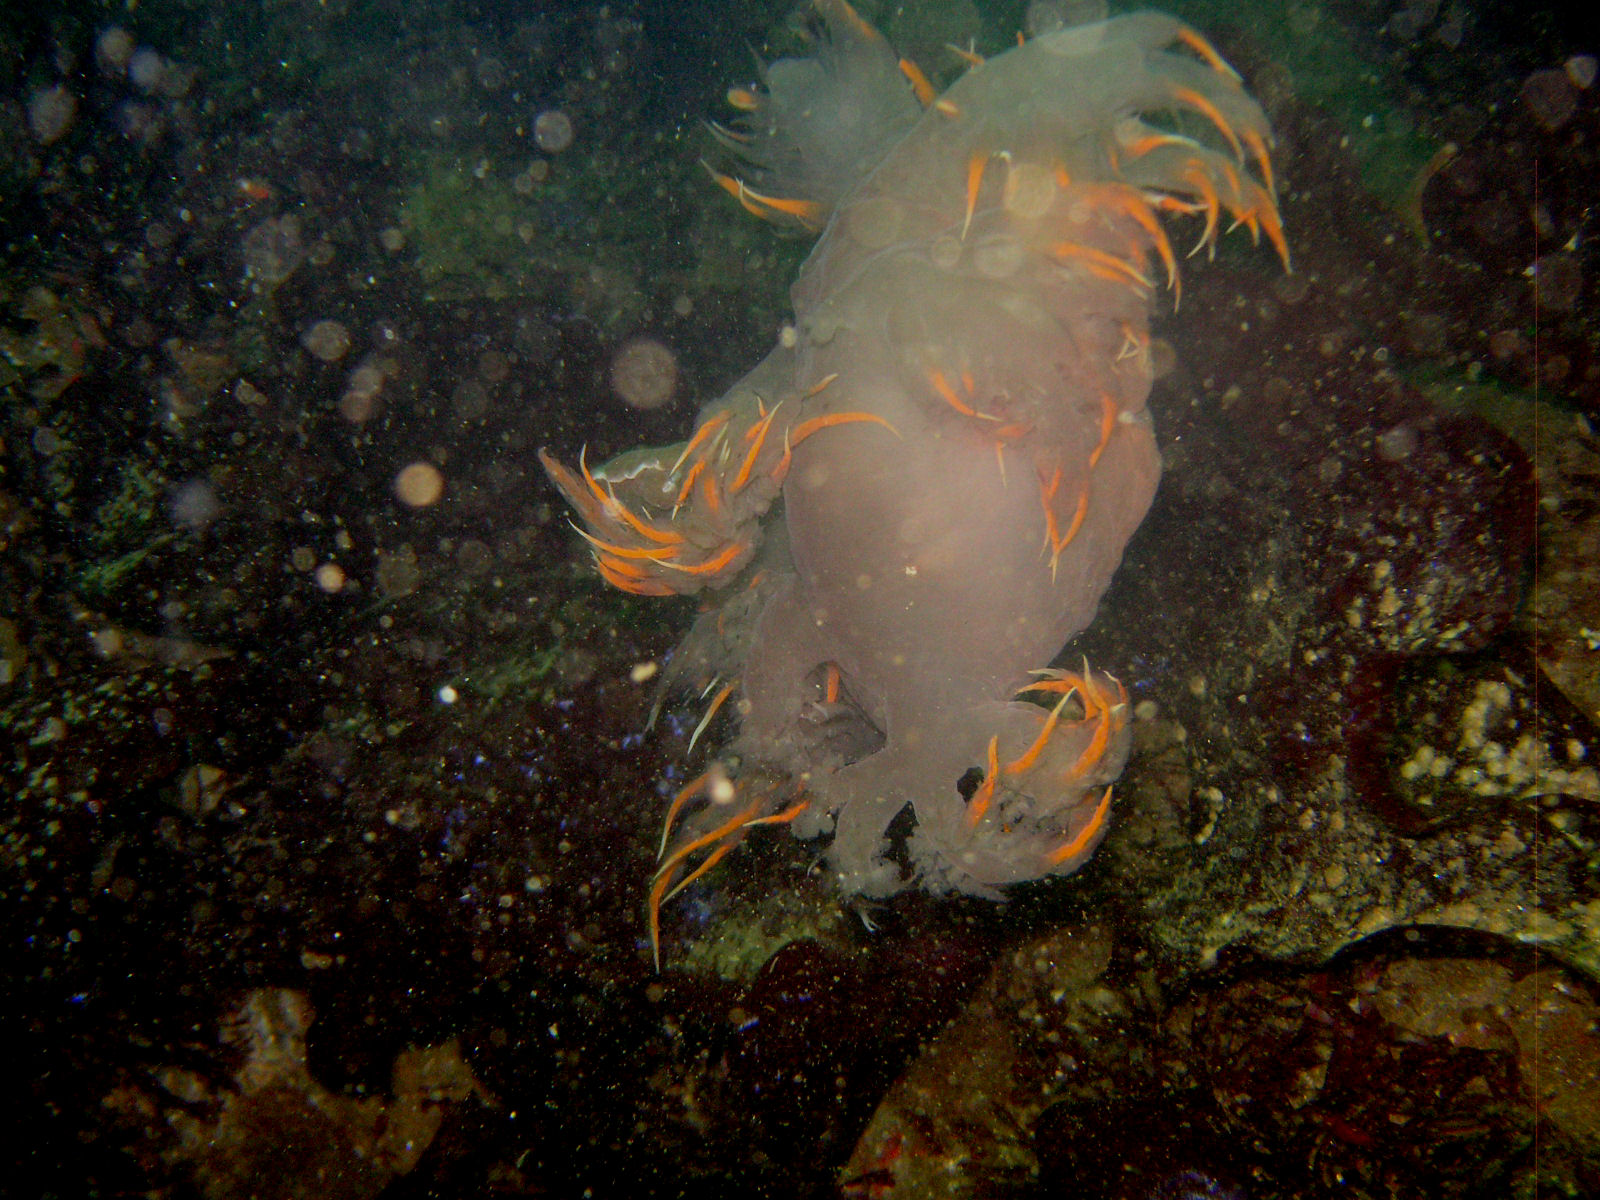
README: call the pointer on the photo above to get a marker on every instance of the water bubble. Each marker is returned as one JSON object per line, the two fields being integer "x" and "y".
{"x": 273, "y": 250}
{"x": 1550, "y": 97}
{"x": 194, "y": 504}
{"x": 474, "y": 556}
{"x": 1397, "y": 443}
{"x": 494, "y": 366}
{"x": 135, "y": 121}
{"x": 1427, "y": 332}
{"x": 326, "y": 339}
{"x": 552, "y": 131}
{"x": 360, "y": 397}
{"x": 491, "y": 73}
{"x": 470, "y": 400}
{"x": 1410, "y": 21}
{"x": 146, "y": 69}
{"x": 1558, "y": 279}
{"x": 398, "y": 573}
{"x": 359, "y": 143}
{"x": 358, "y": 407}
{"x": 176, "y": 80}
{"x": 113, "y": 48}
{"x": 644, "y": 373}
{"x": 50, "y": 113}
{"x": 1506, "y": 344}
{"x": 1051, "y": 16}
{"x": 1453, "y": 28}
{"x": 419, "y": 484}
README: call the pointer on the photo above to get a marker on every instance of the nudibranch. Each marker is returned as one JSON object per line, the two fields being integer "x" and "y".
{"x": 911, "y": 505}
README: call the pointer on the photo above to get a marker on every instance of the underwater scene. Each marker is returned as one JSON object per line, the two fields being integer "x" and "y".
{"x": 742, "y": 598}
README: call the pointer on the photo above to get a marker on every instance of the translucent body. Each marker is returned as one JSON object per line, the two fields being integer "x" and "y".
{"x": 915, "y": 505}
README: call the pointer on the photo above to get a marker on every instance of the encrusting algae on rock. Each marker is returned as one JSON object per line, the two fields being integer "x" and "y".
{"x": 911, "y": 505}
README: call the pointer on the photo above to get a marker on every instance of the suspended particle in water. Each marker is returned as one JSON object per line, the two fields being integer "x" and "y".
{"x": 419, "y": 484}
{"x": 113, "y": 48}
{"x": 360, "y": 397}
{"x": 644, "y": 373}
{"x": 552, "y": 131}
{"x": 328, "y": 340}
{"x": 50, "y": 113}
{"x": 193, "y": 504}
{"x": 146, "y": 69}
